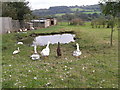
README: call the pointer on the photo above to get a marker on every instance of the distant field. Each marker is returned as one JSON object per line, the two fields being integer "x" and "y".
{"x": 79, "y": 9}
{"x": 91, "y": 12}
{"x": 74, "y": 9}
{"x": 97, "y": 67}
{"x": 61, "y": 14}
{"x": 85, "y": 11}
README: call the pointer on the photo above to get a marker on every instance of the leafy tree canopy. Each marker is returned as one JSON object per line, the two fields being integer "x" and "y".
{"x": 110, "y": 7}
{"x": 16, "y": 10}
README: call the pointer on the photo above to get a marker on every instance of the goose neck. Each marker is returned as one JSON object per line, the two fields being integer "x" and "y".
{"x": 18, "y": 49}
{"x": 35, "y": 49}
{"x": 78, "y": 48}
{"x": 47, "y": 45}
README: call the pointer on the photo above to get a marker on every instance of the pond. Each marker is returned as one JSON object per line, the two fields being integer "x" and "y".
{"x": 54, "y": 39}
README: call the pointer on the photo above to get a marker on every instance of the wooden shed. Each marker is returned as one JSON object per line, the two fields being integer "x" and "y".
{"x": 44, "y": 22}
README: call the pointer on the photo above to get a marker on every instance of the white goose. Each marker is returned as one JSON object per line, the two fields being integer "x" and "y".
{"x": 46, "y": 51}
{"x": 77, "y": 52}
{"x": 25, "y": 29}
{"x": 8, "y": 31}
{"x": 16, "y": 51}
{"x": 35, "y": 56}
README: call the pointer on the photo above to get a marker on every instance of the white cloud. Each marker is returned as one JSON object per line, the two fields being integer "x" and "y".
{"x": 37, "y": 4}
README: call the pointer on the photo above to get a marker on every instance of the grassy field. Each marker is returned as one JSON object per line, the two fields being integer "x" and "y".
{"x": 97, "y": 67}
{"x": 60, "y": 14}
{"x": 74, "y": 9}
{"x": 92, "y": 12}
{"x": 87, "y": 11}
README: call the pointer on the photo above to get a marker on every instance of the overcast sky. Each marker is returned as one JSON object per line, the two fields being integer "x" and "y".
{"x": 41, "y": 4}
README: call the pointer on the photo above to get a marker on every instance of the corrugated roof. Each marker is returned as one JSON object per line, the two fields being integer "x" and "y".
{"x": 37, "y": 20}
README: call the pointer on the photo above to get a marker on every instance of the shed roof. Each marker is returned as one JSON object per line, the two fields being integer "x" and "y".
{"x": 37, "y": 20}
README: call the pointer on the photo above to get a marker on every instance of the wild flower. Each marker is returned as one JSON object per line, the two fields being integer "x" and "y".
{"x": 48, "y": 84}
{"x": 10, "y": 75}
{"x": 83, "y": 68}
{"x": 62, "y": 79}
{"x": 35, "y": 77}
{"x": 84, "y": 56}
{"x": 93, "y": 71}
{"x": 15, "y": 83}
{"x": 68, "y": 72}
{"x": 103, "y": 80}
{"x": 45, "y": 78}
{"x": 65, "y": 66}
{"x": 66, "y": 58}
{"x": 10, "y": 65}
{"x": 29, "y": 70}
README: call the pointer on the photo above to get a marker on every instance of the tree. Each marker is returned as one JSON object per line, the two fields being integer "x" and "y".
{"x": 67, "y": 17}
{"x": 113, "y": 9}
{"x": 8, "y": 10}
{"x": 16, "y": 10}
{"x": 98, "y": 22}
{"x": 77, "y": 21}
{"x": 110, "y": 8}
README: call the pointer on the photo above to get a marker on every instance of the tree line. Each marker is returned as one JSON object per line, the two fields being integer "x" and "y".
{"x": 103, "y": 22}
{"x": 65, "y": 9}
{"x": 111, "y": 9}
{"x": 16, "y": 10}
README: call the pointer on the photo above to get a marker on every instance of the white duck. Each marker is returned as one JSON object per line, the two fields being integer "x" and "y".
{"x": 35, "y": 56}
{"x": 20, "y": 30}
{"x": 8, "y": 31}
{"x": 25, "y": 29}
{"x": 77, "y": 52}
{"x": 16, "y": 51}
{"x": 19, "y": 42}
{"x": 46, "y": 51}
{"x": 32, "y": 28}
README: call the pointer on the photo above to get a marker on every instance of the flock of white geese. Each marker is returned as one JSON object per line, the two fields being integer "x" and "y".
{"x": 46, "y": 51}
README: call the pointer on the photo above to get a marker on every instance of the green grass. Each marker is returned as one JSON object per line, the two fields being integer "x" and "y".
{"x": 74, "y": 9}
{"x": 97, "y": 67}
{"x": 92, "y": 12}
{"x": 80, "y": 9}
{"x": 60, "y": 14}
{"x": 87, "y": 11}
